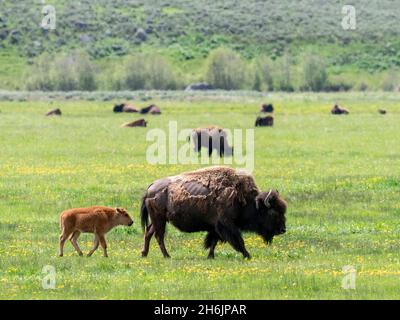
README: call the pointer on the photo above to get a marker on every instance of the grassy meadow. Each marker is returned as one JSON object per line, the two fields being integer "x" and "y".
{"x": 339, "y": 174}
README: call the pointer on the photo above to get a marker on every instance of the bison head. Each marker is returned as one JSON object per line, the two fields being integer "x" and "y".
{"x": 271, "y": 209}
{"x": 122, "y": 217}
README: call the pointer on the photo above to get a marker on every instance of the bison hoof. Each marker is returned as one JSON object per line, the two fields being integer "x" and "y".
{"x": 144, "y": 254}
{"x": 210, "y": 257}
{"x": 61, "y": 255}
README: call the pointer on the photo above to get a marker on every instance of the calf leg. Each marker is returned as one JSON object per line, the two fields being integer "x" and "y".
{"x": 147, "y": 237}
{"x": 74, "y": 242}
{"x": 231, "y": 233}
{"x": 159, "y": 230}
{"x": 210, "y": 242}
{"x": 95, "y": 245}
{"x": 103, "y": 244}
{"x": 63, "y": 238}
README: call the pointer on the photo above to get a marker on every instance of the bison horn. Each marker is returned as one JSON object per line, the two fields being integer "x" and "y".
{"x": 267, "y": 198}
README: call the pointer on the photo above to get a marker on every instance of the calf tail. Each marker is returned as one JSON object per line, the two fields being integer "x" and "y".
{"x": 144, "y": 214}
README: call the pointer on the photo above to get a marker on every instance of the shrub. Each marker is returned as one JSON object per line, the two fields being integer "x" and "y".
{"x": 314, "y": 72}
{"x": 391, "y": 80}
{"x": 263, "y": 79}
{"x": 64, "y": 72}
{"x": 225, "y": 70}
{"x": 283, "y": 74}
{"x": 149, "y": 72}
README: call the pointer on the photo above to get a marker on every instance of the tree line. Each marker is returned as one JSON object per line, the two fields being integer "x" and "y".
{"x": 223, "y": 69}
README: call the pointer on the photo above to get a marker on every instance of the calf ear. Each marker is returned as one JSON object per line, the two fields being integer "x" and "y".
{"x": 118, "y": 210}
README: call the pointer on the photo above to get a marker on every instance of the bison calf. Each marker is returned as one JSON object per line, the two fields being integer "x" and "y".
{"x": 97, "y": 220}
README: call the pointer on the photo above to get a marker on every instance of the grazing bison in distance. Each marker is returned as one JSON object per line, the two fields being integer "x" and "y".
{"x": 382, "y": 111}
{"x": 125, "y": 108}
{"x": 267, "y": 108}
{"x": 219, "y": 200}
{"x": 54, "y": 112}
{"x": 213, "y": 138}
{"x": 265, "y": 122}
{"x": 152, "y": 109}
{"x": 137, "y": 123}
{"x": 339, "y": 110}
{"x": 98, "y": 220}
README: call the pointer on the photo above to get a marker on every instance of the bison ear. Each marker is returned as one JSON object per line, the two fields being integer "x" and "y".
{"x": 118, "y": 210}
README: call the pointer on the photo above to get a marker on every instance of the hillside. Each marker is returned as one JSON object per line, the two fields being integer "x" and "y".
{"x": 186, "y": 31}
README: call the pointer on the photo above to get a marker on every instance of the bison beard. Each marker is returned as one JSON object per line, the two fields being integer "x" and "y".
{"x": 219, "y": 200}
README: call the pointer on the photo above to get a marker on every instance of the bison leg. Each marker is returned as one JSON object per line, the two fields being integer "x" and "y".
{"x": 159, "y": 230}
{"x": 231, "y": 234}
{"x": 103, "y": 244}
{"x": 198, "y": 145}
{"x": 63, "y": 238}
{"x": 74, "y": 242}
{"x": 210, "y": 242}
{"x": 147, "y": 237}
{"x": 210, "y": 146}
{"x": 95, "y": 245}
{"x": 221, "y": 147}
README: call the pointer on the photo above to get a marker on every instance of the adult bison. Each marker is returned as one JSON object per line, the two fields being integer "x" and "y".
{"x": 267, "y": 108}
{"x": 125, "y": 108}
{"x": 219, "y": 200}
{"x": 213, "y": 138}
{"x": 265, "y": 122}
{"x": 152, "y": 109}
{"x": 136, "y": 123}
{"x": 339, "y": 110}
{"x": 54, "y": 112}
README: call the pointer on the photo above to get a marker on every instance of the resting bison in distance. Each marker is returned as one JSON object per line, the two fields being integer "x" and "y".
{"x": 213, "y": 138}
{"x": 219, "y": 200}
{"x": 382, "y": 111}
{"x": 268, "y": 108}
{"x": 265, "y": 122}
{"x": 125, "y": 108}
{"x": 98, "y": 220}
{"x": 54, "y": 112}
{"x": 152, "y": 109}
{"x": 339, "y": 110}
{"x": 137, "y": 123}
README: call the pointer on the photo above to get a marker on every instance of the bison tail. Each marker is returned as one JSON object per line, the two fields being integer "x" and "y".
{"x": 144, "y": 214}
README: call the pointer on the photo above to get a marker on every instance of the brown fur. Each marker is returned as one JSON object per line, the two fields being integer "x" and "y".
{"x": 125, "y": 108}
{"x": 137, "y": 123}
{"x": 97, "y": 220}
{"x": 213, "y": 138}
{"x": 219, "y": 200}
{"x": 339, "y": 110}
{"x": 265, "y": 122}
{"x": 155, "y": 110}
{"x": 152, "y": 109}
{"x": 54, "y": 112}
{"x": 267, "y": 108}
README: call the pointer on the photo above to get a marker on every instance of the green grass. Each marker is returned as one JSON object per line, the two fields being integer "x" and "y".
{"x": 339, "y": 175}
